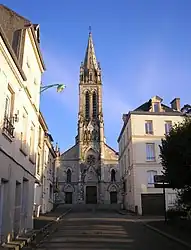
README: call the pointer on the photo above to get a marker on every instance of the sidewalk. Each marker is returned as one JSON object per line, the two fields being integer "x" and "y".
{"x": 43, "y": 225}
{"x": 45, "y": 219}
{"x": 174, "y": 231}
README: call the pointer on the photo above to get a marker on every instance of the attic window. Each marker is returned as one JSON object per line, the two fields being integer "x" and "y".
{"x": 156, "y": 107}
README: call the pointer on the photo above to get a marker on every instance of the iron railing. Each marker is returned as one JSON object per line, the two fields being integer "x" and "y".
{"x": 8, "y": 126}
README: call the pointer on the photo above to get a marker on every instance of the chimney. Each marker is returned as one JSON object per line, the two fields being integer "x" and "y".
{"x": 175, "y": 104}
{"x": 124, "y": 117}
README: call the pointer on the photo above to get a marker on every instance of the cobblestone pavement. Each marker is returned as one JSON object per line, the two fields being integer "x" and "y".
{"x": 105, "y": 230}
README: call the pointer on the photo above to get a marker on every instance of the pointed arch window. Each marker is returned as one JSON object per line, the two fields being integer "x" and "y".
{"x": 113, "y": 175}
{"x": 81, "y": 77}
{"x": 90, "y": 76}
{"x": 69, "y": 176}
{"x": 87, "y": 105}
{"x": 94, "y": 105}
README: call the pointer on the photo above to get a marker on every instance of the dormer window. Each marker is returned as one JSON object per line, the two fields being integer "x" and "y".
{"x": 156, "y": 107}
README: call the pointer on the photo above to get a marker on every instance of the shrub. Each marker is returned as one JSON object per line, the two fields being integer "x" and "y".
{"x": 175, "y": 213}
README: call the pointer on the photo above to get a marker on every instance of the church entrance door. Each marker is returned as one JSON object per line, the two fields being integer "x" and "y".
{"x": 91, "y": 195}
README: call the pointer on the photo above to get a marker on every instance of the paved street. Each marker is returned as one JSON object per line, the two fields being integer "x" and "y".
{"x": 105, "y": 231}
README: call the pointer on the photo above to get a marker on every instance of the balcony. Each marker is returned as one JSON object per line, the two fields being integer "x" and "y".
{"x": 8, "y": 127}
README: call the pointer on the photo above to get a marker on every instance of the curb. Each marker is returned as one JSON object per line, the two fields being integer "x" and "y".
{"x": 168, "y": 236}
{"x": 21, "y": 242}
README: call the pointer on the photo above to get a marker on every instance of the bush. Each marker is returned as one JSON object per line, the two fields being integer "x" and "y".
{"x": 175, "y": 213}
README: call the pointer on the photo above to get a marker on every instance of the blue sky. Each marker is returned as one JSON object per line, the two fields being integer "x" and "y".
{"x": 144, "y": 47}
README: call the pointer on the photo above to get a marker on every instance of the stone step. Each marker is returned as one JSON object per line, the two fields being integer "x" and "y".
{"x": 112, "y": 233}
{"x": 85, "y": 246}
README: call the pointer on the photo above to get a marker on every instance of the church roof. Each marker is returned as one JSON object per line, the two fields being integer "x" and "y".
{"x": 90, "y": 61}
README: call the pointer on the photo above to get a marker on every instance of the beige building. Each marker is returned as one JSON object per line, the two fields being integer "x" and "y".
{"x": 21, "y": 67}
{"x": 139, "y": 151}
{"x": 88, "y": 173}
{"x": 45, "y": 170}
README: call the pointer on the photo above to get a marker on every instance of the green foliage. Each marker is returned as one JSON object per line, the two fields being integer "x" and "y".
{"x": 175, "y": 154}
{"x": 175, "y": 213}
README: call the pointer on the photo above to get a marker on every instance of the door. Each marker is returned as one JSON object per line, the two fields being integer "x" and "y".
{"x": 91, "y": 195}
{"x": 68, "y": 197}
{"x": 152, "y": 204}
{"x": 113, "y": 197}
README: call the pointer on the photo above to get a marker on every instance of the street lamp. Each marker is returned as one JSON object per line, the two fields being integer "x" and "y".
{"x": 60, "y": 87}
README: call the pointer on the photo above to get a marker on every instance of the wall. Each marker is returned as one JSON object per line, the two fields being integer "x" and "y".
{"x": 17, "y": 167}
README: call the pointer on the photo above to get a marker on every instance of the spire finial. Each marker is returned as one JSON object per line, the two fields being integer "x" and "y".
{"x": 90, "y": 29}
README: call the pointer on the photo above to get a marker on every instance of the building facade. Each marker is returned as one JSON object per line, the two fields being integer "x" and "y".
{"x": 139, "y": 151}
{"x": 21, "y": 67}
{"x": 88, "y": 173}
{"x": 45, "y": 170}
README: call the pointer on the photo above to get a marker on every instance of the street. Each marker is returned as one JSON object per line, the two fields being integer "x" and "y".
{"x": 105, "y": 230}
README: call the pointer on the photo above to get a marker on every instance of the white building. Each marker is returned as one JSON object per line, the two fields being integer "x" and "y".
{"x": 45, "y": 170}
{"x": 21, "y": 67}
{"x": 139, "y": 151}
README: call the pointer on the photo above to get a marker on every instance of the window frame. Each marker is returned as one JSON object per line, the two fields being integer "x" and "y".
{"x": 148, "y": 128}
{"x": 154, "y": 152}
{"x": 154, "y": 172}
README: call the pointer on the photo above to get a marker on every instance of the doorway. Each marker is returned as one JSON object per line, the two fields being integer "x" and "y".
{"x": 68, "y": 197}
{"x": 113, "y": 197}
{"x": 91, "y": 195}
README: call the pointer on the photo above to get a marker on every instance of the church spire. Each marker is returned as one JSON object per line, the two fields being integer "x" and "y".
{"x": 90, "y": 61}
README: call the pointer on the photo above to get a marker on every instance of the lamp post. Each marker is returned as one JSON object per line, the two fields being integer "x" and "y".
{"x": 60, "y": 87}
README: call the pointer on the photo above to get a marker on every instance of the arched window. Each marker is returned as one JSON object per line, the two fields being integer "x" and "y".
{"x": 69, "y": 176}
{"x": 87, "y": 105}
{"x": 90, "y": 76}
{"x": 94, "y": 105}
{"x": 81, "y": 77}
{"x": 112, "y": 175}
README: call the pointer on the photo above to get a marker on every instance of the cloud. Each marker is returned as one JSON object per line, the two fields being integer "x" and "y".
{"x": 113, "y": 103}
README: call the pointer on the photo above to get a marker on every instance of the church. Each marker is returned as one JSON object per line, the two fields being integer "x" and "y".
{"x": 88, "y": 172}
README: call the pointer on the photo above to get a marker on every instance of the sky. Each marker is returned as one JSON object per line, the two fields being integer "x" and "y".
{"x": 143, "y": 46}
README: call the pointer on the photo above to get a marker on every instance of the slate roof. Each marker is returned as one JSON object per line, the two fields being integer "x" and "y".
{"x": 147, "y": 105}
{"x": 12, "y": 29}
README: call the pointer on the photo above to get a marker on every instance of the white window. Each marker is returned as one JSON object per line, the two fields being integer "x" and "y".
{"x": 150, "y": 151}
{"x": 9, "y": 103}
{"x": 171, "y": 199}
{"x": 150, "y": 178}
{"x": 168, "y": 126}
{"x": 24, "y": 130}
{"x": 32, "y": 135}
{"x": 149, "y": 127}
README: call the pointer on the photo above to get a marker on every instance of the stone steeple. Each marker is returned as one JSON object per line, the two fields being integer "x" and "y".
{"x": 90, "y": 121}
{"x": 90, "y": 161}
{"x": 90, "y": 61}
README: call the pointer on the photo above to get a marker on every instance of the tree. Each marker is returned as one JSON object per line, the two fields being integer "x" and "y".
{"x": 175, "y": 154}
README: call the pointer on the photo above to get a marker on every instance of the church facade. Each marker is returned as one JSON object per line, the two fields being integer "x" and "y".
{"x": 88, "y": 172}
